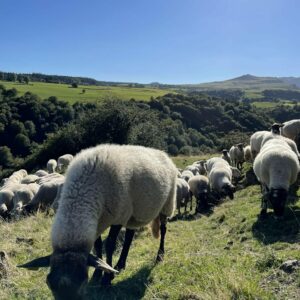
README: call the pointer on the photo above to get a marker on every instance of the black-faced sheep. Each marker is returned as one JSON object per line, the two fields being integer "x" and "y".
{"x": 225, "y": 156}
{"x": 199, "y": 187}
{"x": 106, "y": 186}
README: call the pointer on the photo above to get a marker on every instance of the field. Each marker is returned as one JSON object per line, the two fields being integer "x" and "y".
{"x": 92, "y": 93}
{"x": 226, "y": 253}
{"x": 266, "y": 104}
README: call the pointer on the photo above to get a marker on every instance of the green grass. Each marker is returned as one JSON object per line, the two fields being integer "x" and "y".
{"x": 92, "y": 93}
{"x": 225, "y": 254}
{"x": 265, "y": 104}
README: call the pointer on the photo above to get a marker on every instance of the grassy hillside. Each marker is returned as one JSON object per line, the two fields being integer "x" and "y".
{"x": 225, "y": 254}
{"x": 92, "y": 93}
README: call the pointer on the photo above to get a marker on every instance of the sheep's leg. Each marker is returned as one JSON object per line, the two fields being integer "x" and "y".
{"x": 126, "y": 246}
{"x": 98, "y": 251}
{"x": 264, "y": 202}
{"x": 163, "y": 230}
{"x": 110, "y": 248}
{"x": 191, "y": 199}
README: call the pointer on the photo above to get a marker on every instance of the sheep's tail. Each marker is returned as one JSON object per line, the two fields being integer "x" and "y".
{"x": 155, "y": 225}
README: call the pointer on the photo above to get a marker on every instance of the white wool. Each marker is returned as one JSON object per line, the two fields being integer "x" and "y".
{"x": 247, "y": 154}
{"x": 276, "y": 166}
{"x": 291, "y": 129}
{"x": 41, "y": 173}
{"x": 109, "y": 185}
{"x": 51, "y": 165}
{"x": 182, "y": 191}
{"x": 255, "y": 142}
{"x": 64, "y": 161}
{"x": 199, "y": 184}
{"x": 236, "y": 155}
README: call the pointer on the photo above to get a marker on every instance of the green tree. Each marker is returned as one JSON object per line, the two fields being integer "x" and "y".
{"x": 74, "y": 85}
{"x": 26, "y": 79}
{"x": 6, "y": 158}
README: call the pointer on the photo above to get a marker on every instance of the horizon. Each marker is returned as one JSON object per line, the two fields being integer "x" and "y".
{"x": 173, "y": 42}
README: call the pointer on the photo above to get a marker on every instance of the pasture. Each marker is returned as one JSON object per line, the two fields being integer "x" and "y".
{"x": 225, "y": 253}
{"x": 92, "y": 93}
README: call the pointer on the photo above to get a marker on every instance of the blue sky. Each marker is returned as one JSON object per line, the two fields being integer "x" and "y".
{"x": 170, "y": 41}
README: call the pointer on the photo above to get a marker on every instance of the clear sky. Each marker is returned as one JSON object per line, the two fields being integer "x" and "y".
{"x": 170, "y": 41}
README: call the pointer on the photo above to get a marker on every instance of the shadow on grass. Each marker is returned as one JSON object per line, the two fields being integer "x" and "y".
{"x": 272, "y": 230}
{"x": 130, "y": 288}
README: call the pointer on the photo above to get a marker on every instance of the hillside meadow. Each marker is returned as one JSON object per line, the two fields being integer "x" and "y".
{"x": 92, "y": 93}
{"x": 226, "y": 253}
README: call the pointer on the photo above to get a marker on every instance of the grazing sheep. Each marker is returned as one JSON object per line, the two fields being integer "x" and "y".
{"x": 41, "y": 173}
{"x": 276, "y": 168}
{"x": 220, "y": 177}
{"x": 29, "y": 179}
{"x": 186, "y": 175}
{"x": 51, "y": 165}
{"x": 201, "y": 167}
{"x": 236, "y": 154}
{"x": 247, "y": 154}
{"x": 6, "y": 201}
{"x": 106, "y": 186}
{"x": 199, "y": 187}
{"x": 193, "y": 168}
{"x": 225, "y": 156}
{"x": 291, "y": 129}
{"x": 45, "y": 195}
{"x": 63, "y": 162}
{"x": 269, "y": 136}
{"x": 182, "y": 194}
{"x": 255, "y": 142}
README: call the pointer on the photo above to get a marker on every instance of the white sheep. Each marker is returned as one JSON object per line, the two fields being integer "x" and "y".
{"x": 49, "y": 177}
{"x": 106, "y": 186}
{"x": 220, "y": 177}
{"x": 51, "y": 165}
{"x": 255, "y": 142}
{"x": 236, "y": 154}
{"x": 30, "y": 179}
{"x": 291, "y": 129}
{"x": 182, "y": 194}
{"x": 41, "y": 173}
{"x": 276, "y": 168}
{"x": 225, "y": 156}
{"x": 199, "y": 187}
{"x": 186, "y": 175}
{"x": 201, "y": 166}
{"x": 193, "y": 168}
{"x": 247, "y": 154}
{"x": 63, "y": 162}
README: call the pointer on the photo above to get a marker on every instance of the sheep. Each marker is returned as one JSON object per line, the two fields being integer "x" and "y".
{"x": 106, "y": 186}
{"x": 255, "y": 142}
{"x": 291, "y": 129}
{"x": 275, "y": 128}
{"x": 269, "y": 136}
{"x": 6, "y": 201}
{"x": 225, "y": 156}
{"x": 23, "y": 196}
{"x": 201, "y": 166}
{"x": 51, "y": 165}
{"x": 182, "y": 194}
{"x": 55, "y": 203}
{"x": 220, "y": 177}
{"x": 49, "y": 177}
{"x": 29, "y": 179}
{"x": 45, "y": 195}
{"x": 247, "y": 154}
{"x": 236, "y": 154}
{"x": 186, "y": 175}
{"x": 199, "y": 187}
{"x": 41, "y": 173}
{"x": 193, "y": 168}
{"x": 63, "y": 162}
{"x": 276, "y": 168}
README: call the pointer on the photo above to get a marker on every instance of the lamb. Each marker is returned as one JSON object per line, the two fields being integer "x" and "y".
{"x": 199, "y": 187}
{"x": 220, "y": 177}
{"x": 291, "y": 129}
{"x": 107, "y": 185}
{"x": 63, "y": 162}
{"x": 182, "y": 194}
{"x": 225, "y": 156}
{"x": 236, "y": 154}
{"x": 247, "y": 154}
{"x": 51, "y": 165}
{"x": 276, "y": 168}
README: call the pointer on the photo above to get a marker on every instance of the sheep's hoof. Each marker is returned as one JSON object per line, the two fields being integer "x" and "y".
{"x": 160, "y": 257}
{"x": 120, "y": 266}
{"x": 107, "y": 279}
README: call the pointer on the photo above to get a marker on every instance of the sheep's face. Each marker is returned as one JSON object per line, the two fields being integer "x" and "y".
{"x": 229, "y": 190}
{"x": 278, "y": 198}
{"x": 68, "y": 275}
{"x": 202, "y": 199}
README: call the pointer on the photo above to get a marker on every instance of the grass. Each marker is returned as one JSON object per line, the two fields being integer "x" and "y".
{"x": 265, "y": 104}
{"x": 226, "y": 254}
{"x": 92, "y": 93}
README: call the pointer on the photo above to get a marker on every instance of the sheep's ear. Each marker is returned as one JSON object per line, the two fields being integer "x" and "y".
{"x": 41, "y": 262}
{"x": 98, "y": 263}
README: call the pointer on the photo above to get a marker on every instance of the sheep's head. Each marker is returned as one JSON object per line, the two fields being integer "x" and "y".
{"x": 229, "y": 190}
{"x": 240, "y": 146}
{"x": 225, "y": 152}
{"x": 275, "y": 128}
{"x": 68, "y": 272}
{"x": 202, "y": 199}
{"x": 278, "y": 198}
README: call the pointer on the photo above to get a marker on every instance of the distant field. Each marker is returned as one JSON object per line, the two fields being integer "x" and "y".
{"x": 92, "y": 93}
{"x": 266, "y": 104}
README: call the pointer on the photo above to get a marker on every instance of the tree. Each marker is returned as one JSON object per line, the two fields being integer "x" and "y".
{"x": 6, "y": 158}
{"x": 19, "y": 78}
{"x": 26, "y": 79}
{"x": 74, "y": 85}
{"x": 22, "y": 144}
